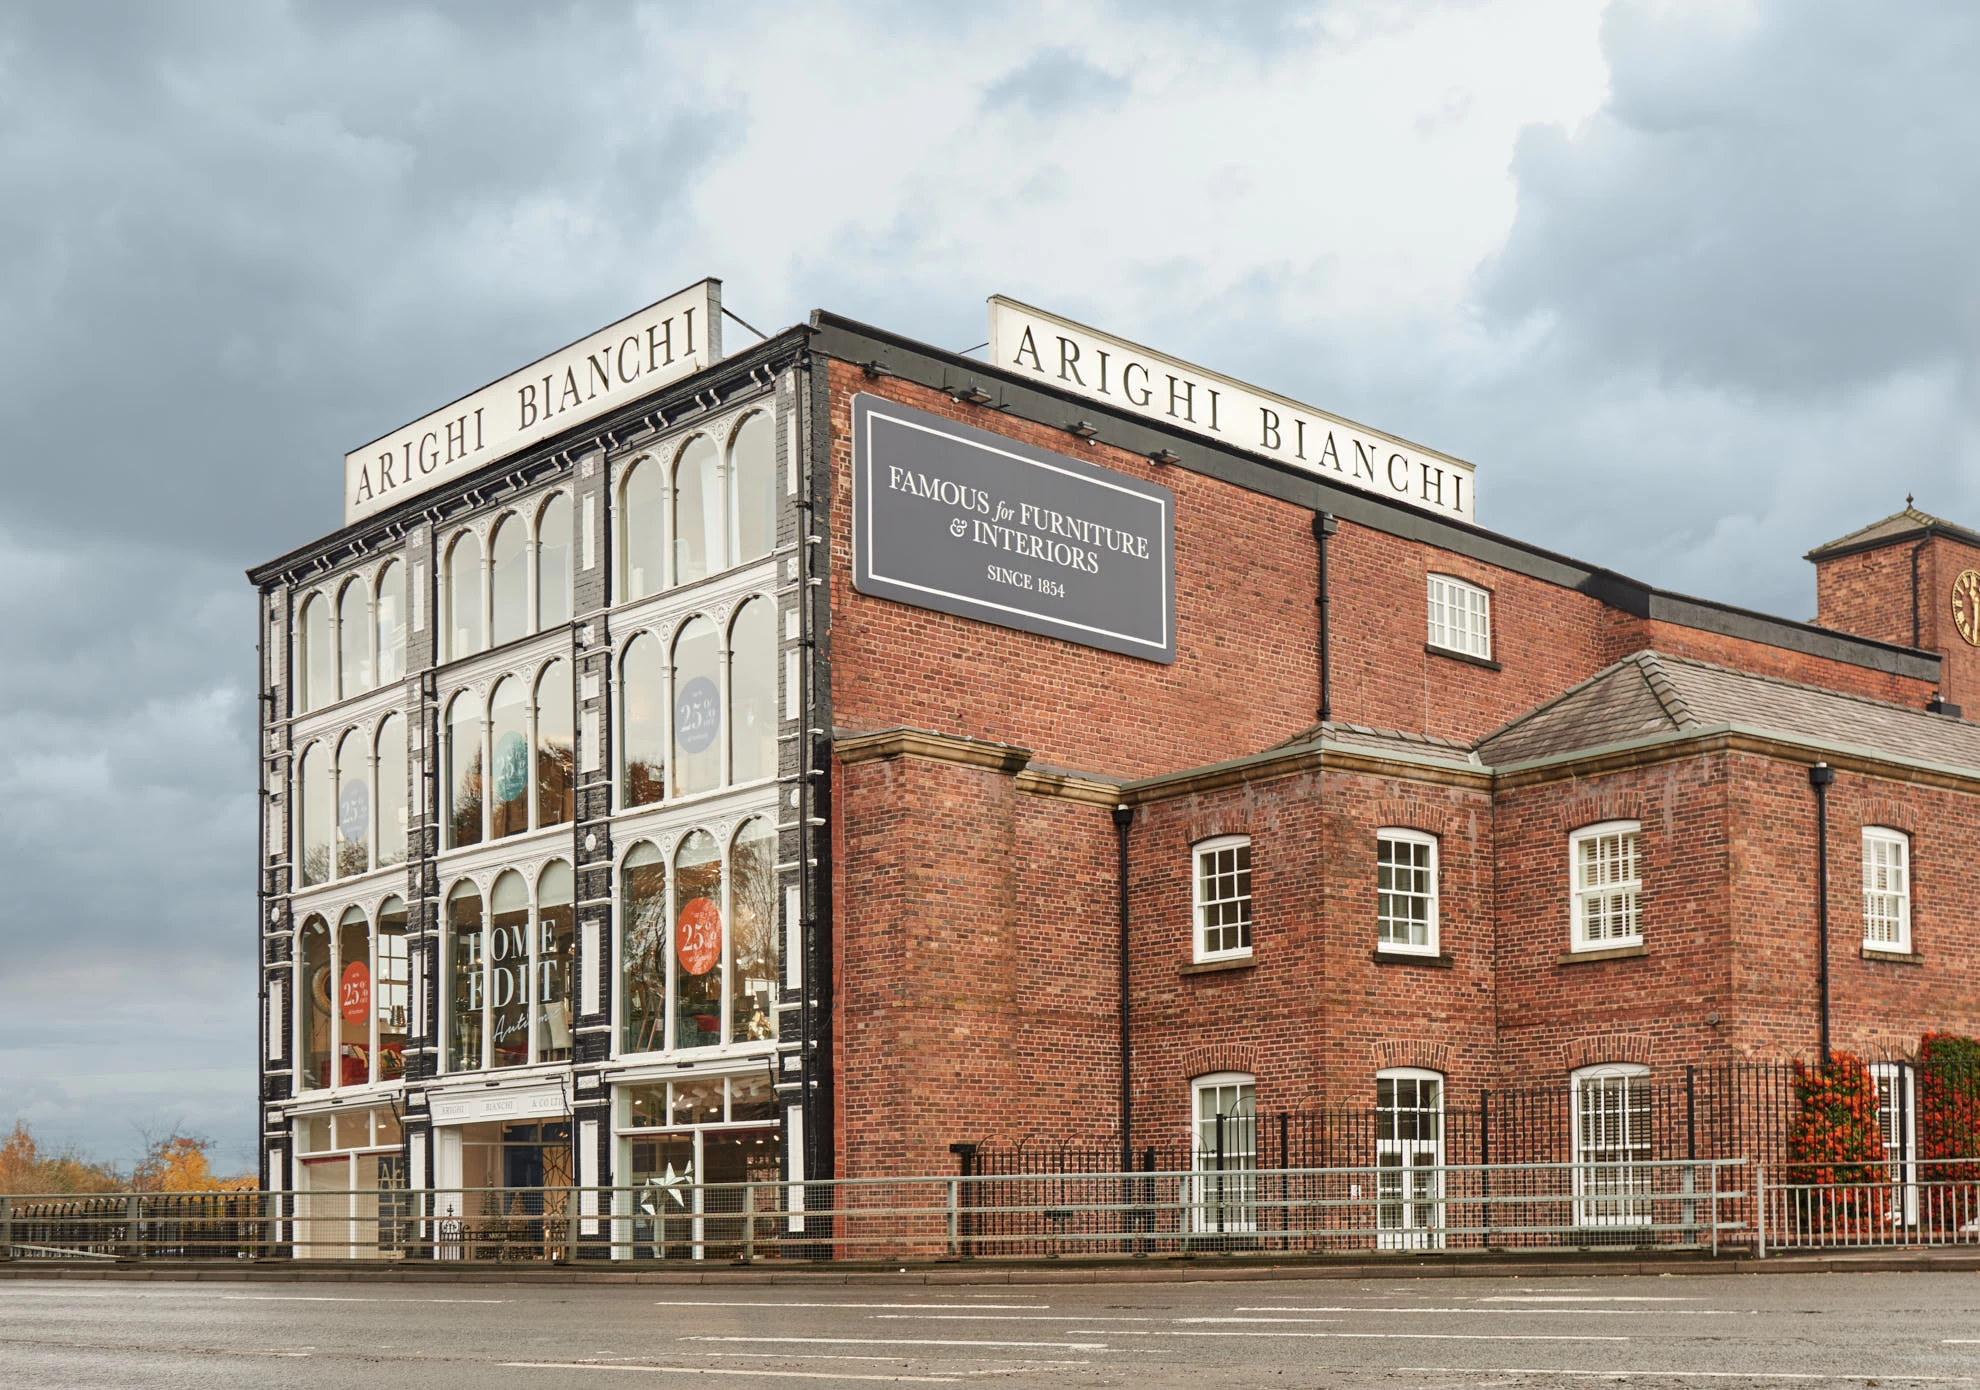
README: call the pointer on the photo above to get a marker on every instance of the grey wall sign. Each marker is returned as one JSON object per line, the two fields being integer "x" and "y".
{"x": 957, "y": 519}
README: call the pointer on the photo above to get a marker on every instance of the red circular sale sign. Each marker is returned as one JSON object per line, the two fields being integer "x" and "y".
{"x": 698, "y": 936}
{"x": 354, "y": 993}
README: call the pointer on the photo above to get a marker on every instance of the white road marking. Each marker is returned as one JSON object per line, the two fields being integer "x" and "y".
{"x": 724, "y": 1371}
{"x": 342, "y": 1298}
{"x": 998, "y": 1317}
{"x": 1582, "y": 1298}
{"x": 776, "y": 1303}
{"x": 1517, "y": 1312}
{"x": 1676, "y": 1375}
{"x": 903, "y": 1342}
{"x": 1399, "y": 1336}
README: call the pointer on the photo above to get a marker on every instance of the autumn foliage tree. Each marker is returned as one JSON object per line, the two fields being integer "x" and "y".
{"x": 25, "y": 1167}
{"x": 1949, "y": 1104}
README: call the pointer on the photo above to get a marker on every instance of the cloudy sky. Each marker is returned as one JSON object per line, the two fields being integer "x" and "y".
{"x": 1692, "y": 284}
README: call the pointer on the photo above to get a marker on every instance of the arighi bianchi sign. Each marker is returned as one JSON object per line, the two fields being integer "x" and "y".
{"x": 957, "y": 519}
{"x": 1131, "y": 378}
{"x": 661, "y": 343}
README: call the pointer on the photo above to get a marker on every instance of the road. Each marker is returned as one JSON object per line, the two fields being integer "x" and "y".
{"x": 1641, "y": 1332}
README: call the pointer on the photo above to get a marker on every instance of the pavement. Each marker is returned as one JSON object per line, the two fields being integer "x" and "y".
{"x": 1859, "y": 1327}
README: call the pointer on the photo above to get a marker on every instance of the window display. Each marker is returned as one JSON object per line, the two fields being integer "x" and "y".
{"x": 464, "y": 968}
{"x": 697, "y": 708}
{"x": 753, "y": 932}
{"x": 697, "y": 953}
{"x": 556, "y": 737}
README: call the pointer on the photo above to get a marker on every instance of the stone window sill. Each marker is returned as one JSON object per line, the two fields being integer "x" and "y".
{"x": 1466, "y": 657}
{"x": 1214, "y": 967}
{"x": 1893, "y": 957}
{"x": 1608, "y": 953}
{"x": 1382, "y": 957}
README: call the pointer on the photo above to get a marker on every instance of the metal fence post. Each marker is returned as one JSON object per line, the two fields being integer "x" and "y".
{"x": 571, "y": 1219}
{"x": 1760, "y": 1210}
{"x": 6, "y": 1228}
{"x": 749, "y": 1223}
{"x": 955, "y": 1202}
{"x": 133, "y": 1240}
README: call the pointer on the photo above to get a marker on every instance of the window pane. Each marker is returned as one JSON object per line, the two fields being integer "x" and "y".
{"x": 1404, "y": 892}
{"x": 752, "y": 1097}
{"x": 317, "y": 681}
{"x": 643, "y": 734}
{"x": 392, "y": 623}
{"x": 643, "y": 895}
{"x": 464, "y": 771}
{"x": 753, "y": 927}
{"x": 464, "y": 959}
{"x": 353, "y": 996}
{"x": 697, "y": 947}
{"x": 697, "y": 709}
{"x": 392, "y": 819}
{"x": 391, "y": 991}
{"x": 509, "y": 736}
{"x": 508, "y": 577}
{"x": 555, "y": 737}
{"x": 354, "y": 640}
{"x": 314, "y": 995}
{"x": 553, "y": 563}
{"x": 316, "y": 815}
{"x": 555, "y": 933}
{"x": 464, "y": 597}
{"x": 508, "y": 970}
{"x": 641, "y": 536}
{"x": 753, "y": 471}
{"x": 353, "y": 804}
{"x": 753, "y": 691}
{"x": 700, "y": 533}
{"x": 1223, "y": 896}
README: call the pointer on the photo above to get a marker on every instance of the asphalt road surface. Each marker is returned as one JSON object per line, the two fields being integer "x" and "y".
{"x": 1640, "y": 1332}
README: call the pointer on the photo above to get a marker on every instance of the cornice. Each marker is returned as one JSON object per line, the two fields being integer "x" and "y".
{"x": 1678, "y": 746}
{"x": 954, "y": 749}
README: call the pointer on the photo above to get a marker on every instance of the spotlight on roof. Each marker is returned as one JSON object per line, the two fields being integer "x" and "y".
{"x": 971, "y": 394}
{"x": 1082, "y": 430}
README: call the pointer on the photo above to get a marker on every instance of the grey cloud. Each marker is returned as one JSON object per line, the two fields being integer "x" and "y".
{"x": 1786, "y": 207}
{"x": 1052, "y": 83}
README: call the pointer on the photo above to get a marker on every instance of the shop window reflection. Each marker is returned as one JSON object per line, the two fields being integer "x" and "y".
{"x": 353, "y": 804}
{"x": 553, "y": 563}
{"x": 508, "y": 971}
{"x": 642, "y": 534}
{"x": 697, "y": 944}
{"x": 352, "y": 996}
{"x": 353, "y": 640}
{"x": 643, "y": 723}
{"x": 392, "y": 991}
{"x": 697, "y": 708}
{"x": 753, "y": 480}
{"x": 508, "y": 581}
{"x": 391, "y": 611}
{"x": 316, "y": 682}
{"x": 314, "y": 995}
{"x": 464, "y": 964}
{"x": 509, "y": 766}
{"x": 463, "y": 771}
{"x": 753, "y": 692}
{"x": 392, "y": 817}
{"x": 315, "y": 815}
{"x": 754, "y": 938}
{"x": 463, "y": 597}
{"x": 555, "y": 739}
{"x": 643, "y": 908}
{"x": 700, "y": 528}
{"x": 556, "y": 934}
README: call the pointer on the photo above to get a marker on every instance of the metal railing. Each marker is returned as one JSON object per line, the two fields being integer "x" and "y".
{"x": 1926, "y": 1202}
{"x": 1269, "y": 1212}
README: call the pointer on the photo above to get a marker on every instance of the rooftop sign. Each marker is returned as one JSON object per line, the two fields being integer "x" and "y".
{"x": 661, "y": 343}
{"x": 1129, "y": 377}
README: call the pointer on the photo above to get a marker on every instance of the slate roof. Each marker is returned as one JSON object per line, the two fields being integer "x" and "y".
{"x": 1899, "y": 526}
{"x": 1650, "y": 693}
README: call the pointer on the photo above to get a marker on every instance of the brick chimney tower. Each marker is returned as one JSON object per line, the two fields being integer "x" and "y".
{"x": 1914, "y": 580}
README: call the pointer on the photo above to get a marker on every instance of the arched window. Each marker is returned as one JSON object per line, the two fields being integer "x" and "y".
{"x": 466, "y": 992}
{"x": 753, "y": 692}
{"x": 643, "y": 725}
{"x": 464, "y": 597}
{"x": 643, "y": 950}
{"x": 508, "y": 970}
{"x": 509, "y": 769}
{"x": 391, "y": 992}
{"x": 316, "y": 680}
{"x": 391, "y": 611}
{"x": 697, "y": 941}
{"x": 555, "y": 935}
{"x": 314, "y": 993}
{"x": 353, "y": 804}
{"x": 316, "y": 814}
{"x": 555, "y": 736}
{"x": 753, "y": 480}
{"x": 354, "y": 640}
{"x": 508, "y": 580}
{"x": 642, "y": 532}
{"x": 553, "y": 563}
{"x": 697, "y": 708}
{"x": 392, "y": 818}
{"x": 353, "y": 998}
{"x": 753, "y": 933}
{"x": 700, "y": 529}
{"x": 463, "y": 771}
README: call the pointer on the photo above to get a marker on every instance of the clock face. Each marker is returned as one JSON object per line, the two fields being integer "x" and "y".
{"x": 1966, "y": 606}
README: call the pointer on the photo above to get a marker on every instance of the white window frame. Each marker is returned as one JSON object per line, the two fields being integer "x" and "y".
{"x": 1409, "y": 1202}
{"x": 1459, "y": 617}
{"x": 1200, "y": 905}
{"x": 1579, "y": 893}
{"x": 1613, "y": 1192}
{"x": 1406, "y": 837}
{"x": 1225, "y": 1200}
{"x": 1877, "y": 837}
{"x": 1897, "y": 1118}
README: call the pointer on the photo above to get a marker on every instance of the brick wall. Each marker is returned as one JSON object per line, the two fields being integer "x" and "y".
{"x": 1870, "y": 593}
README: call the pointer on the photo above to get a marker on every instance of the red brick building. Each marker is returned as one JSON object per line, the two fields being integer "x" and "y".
{"x": 1075, "y": 748}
